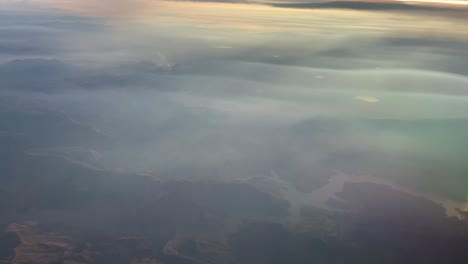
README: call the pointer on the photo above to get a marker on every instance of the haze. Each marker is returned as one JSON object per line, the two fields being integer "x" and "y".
{"x": 233, "y": 131}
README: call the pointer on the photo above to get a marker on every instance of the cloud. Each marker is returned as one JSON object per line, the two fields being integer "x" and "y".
{"x": 367, "y": 99}
{"x": 171, "y": 104}
{"x": 105, "y": 8}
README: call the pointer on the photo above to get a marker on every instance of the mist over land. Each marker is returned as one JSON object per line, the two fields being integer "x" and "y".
{"x": 204, "y": 132}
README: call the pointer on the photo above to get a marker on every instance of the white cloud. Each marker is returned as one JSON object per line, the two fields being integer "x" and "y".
{"x": 367, "y": 99}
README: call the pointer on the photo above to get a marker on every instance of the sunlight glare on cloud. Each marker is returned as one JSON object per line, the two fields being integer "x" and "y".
{"x": 367, "y": 99}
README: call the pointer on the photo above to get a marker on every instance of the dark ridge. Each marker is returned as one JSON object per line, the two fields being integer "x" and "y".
{"x": 8, "y": 242}
{"x": 362, "y": 5}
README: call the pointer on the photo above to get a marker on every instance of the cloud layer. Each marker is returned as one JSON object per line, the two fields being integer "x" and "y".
{"x": 241, "y": 92}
